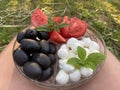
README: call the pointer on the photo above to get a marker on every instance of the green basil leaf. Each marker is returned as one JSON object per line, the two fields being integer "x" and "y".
{"x": 57, "y": 27}
{"x": 50, "y": 21}
{"x": 44, "y": 28}
{"x": 90, "y": 65}
{"x": 74, "y": 62}
{"x": 81, "y": 62}
{"x": 62, "y": 25}
{"x": 81, "y": 53}
{"x": 96, "y": 58}
{"x": 52, "y": 25}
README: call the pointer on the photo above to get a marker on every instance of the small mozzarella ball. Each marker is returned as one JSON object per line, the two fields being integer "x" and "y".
{"x": 74, "y": 47}
{"x": 93, "y": 51}
{"x": 94, "y": 45}
{"x": 63, "y": 53}
{"x": 81, "y": 43}
{"x": 71, "y": 54}
{"x": 75, "y": 76}
{"x": 60, "y": 66}
{"x": 68, "y": 68}
{"x": 86, "y": 41}
{"x": 64, "y": 46}
{"x": 62, "y": 62}
{"x": 62, "y": 77}
{"x": 86, "y": 72}
{"x": 71, "y": 41}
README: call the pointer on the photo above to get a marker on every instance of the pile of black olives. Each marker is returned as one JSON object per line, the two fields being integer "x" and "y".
{"x": 35, "y": 54}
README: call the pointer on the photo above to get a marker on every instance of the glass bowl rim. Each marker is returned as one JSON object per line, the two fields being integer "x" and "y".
{"x": 80, "y": 82}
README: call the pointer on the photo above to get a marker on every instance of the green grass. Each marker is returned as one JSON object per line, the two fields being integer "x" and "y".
{"x": 103, "y": 15}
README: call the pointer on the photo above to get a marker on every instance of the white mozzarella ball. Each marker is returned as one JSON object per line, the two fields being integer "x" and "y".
{"x": 64, "y": 46}
{"x": 71, "y": 54}
{"x": 86, "y": 72}
{"x": 62, "y": 62}
{"x": 63, "y": 53}
{"x": 81, "y": 43}
{"x": 75, "y": 76}
{"x": 68, "y": 68}
{"x": 62, "y": 77}
{"x": 93, "y": 51}
{"x": 71, "y": 41}
{"x": 60, "y": 66}
{"x": 86, "y": 41}
{"x": 74, "y": 47}
{"x": 94, "y": 45}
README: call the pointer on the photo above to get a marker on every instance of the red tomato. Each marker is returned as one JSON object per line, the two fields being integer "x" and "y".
{"x": 57, "y": 19}
{"x": 77, "y": 28}
{"x": 56, "y": 37}
{"x": 66, "y": 20}
{"x": 39, "y": 18}
{"x": 64, "y": 31}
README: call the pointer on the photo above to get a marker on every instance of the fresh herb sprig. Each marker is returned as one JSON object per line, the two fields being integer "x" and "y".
{"x": 91, "y": 61}
{"x": 52, "y": 25}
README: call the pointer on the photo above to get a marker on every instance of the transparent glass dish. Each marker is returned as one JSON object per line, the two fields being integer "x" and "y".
{"x": 51, "y": 83}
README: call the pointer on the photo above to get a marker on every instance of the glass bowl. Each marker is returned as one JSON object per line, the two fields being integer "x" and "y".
{"x": 51, "y": 83}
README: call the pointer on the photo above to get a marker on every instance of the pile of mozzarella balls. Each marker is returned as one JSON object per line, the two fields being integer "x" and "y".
{"x": 67, "y": 72}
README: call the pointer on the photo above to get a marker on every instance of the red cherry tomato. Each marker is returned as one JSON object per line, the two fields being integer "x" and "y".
{"x": 57, "y": 19}
{"x": 56, "y": 37}
{"x": 39, "y": 18}
{"x": 66, "y": 20}
{"x": 76, "y": 28}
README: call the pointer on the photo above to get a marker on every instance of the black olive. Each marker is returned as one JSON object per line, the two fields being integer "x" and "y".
{"x": 32, "y": 70}
{"x": 30, "y": 45}
{"x": 44, "y": 46}
{"x": 20, "y": 36}
{"x": 31, "y": 34}
{"x": 42, "y": 59}
{"x": 52, "y": 58}
{"x": 20, "y": 57}
{"x": 43, "y": 35}
{"x": 52, "y": 48}
{"x": 47, "y": 73}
